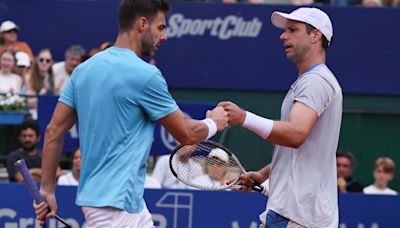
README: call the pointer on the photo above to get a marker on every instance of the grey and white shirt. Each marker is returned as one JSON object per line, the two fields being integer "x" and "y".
{"x": 303, "y": 181}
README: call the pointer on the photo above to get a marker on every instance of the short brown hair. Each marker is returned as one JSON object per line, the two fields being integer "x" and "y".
{"x": 325, "y": 42}
{"x": 386, "y": 163}
{"x": 131, "y": 10}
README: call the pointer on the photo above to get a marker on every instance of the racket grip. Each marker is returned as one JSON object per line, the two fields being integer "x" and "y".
{"x": 258, "y": 188}
{"x": 33, "y": 188}
{"x": 261, "y": 189}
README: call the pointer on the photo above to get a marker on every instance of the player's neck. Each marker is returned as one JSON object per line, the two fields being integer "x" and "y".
{"x": 129, "y": 41}
{"x": 310, "y": 60}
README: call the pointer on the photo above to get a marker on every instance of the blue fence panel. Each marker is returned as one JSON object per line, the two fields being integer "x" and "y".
{"x": 199, "y": 209}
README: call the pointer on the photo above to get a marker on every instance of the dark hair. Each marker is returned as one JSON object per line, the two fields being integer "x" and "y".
{"x": 131, "y": 10}
{"x": 341, "y": 153}
{"x": 325, "y": 42}
{"x": 74, "y": 152}
{"x": 32, "y": 124}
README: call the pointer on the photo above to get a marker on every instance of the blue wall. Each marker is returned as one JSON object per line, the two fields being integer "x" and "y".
{"x": 199, "y": 209}
{"x": 363, "y": 54}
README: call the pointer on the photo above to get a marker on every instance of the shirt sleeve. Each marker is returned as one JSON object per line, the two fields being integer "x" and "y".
{"x": 315, "y": 92}
{"x": 156, "y": 99}
{"x": 68, "y": 94}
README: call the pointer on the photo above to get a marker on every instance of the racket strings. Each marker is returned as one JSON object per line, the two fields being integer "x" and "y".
{"x": 205, "y": 166}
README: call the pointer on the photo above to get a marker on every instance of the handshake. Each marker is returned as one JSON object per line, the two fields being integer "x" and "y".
{"x": 226, "y": 113}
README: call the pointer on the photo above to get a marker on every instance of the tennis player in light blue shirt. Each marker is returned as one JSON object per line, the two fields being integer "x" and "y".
{"x": 116, "y": 97}
{"x": 117, "y": 108}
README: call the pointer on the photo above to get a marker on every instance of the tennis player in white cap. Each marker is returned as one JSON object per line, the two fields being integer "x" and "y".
{"x": 302, "y": 174}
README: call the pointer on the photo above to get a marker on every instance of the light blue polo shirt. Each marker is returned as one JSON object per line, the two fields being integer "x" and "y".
{"x": 117, "y": 97}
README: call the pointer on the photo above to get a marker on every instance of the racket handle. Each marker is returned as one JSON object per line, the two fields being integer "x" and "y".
{"x": 33, "y": 189}
{"x": 261, "y": 189}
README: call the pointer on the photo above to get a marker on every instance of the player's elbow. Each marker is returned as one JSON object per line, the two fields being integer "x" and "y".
{"x": 295, "y": 145}
{"x": 297, "y": 140}
{"x": 53, "y": 133}
{"x": 51, "y": 130}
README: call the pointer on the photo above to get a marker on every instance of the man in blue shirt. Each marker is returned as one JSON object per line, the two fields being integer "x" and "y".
{"x": 116, "y": 97}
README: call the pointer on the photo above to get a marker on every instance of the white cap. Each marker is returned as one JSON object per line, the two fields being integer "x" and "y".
{"x": 7, "y": 26}
{"x": 220, "y": 154}
{"x": 22, "y": 59}
{"x": 313, "y": 16}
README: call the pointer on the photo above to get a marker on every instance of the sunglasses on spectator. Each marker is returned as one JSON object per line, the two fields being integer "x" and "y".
{"x": 44, "y": 60}
{"x": 11, "y": 31}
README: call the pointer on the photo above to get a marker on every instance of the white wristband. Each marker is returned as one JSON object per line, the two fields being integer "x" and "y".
{"x": 212, "y": 127}
{"x": 257, "y": 124}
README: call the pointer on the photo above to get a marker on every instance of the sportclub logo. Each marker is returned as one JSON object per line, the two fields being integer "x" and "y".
{"x": 223, "y": 28}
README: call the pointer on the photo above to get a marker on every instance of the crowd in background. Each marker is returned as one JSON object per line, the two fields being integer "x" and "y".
{"x": 23, "y": 73}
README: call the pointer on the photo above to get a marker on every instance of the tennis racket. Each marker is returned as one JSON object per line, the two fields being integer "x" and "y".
{"x": 208, "y": 165}
{"x": 32, "y": 187}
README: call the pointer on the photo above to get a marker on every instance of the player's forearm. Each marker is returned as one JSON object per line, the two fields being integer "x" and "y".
{"x": 196, "y": 132}
{"x": 51, "y": 157}
{"x": 185, "y": 131}
{"x": 277, "y": 132}
{"x": 287, "y": 134}
{"x": 264, "y": 172}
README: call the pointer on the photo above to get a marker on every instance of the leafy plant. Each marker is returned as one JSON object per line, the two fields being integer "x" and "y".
{"x": 12, "y": 102}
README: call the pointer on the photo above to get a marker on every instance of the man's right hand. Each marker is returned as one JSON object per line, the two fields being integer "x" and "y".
{"x": 250, "y": 179}
{"x": 45, "y": 209}
{"x": 219, "y": 116}
{"x": 236, "y": 115}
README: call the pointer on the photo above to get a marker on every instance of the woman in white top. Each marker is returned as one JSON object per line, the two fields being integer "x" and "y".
{"x": 72, "y": 177}
{"x": 9, "y": 82}
{"x": 216, "y": 169}
{"x": 383, "y": 173}
{"x": 41, "y": 80}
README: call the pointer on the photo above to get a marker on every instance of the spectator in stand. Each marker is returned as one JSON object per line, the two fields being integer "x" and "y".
{"x": 63, "y": 70}
{"x": 23, "y": 69}
{"x": 9, "y": 82}
{"x": 383, "y": 174}
{"x": 215, "y": 170}
{"x": 41, "y": 80}
{"x": 163, "y": 174}
{"x": 106, "y": 45}
{"x": 151, "y": 182}
{"x": 29, "y": 138}
{"x": 380, "y": 3}
{"x": 346, "y": 163}
{"x": 94, "y": 51}
{"x": 72, "y": 177}
{"x": 9, "y": 39}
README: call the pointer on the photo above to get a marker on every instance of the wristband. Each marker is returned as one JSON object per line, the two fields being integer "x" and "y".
{"x": 257, "y": 124}
{"x": 212, "y": 127}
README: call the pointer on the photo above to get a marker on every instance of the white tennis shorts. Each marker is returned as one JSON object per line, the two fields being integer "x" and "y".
{"x": 97, "y": 217}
